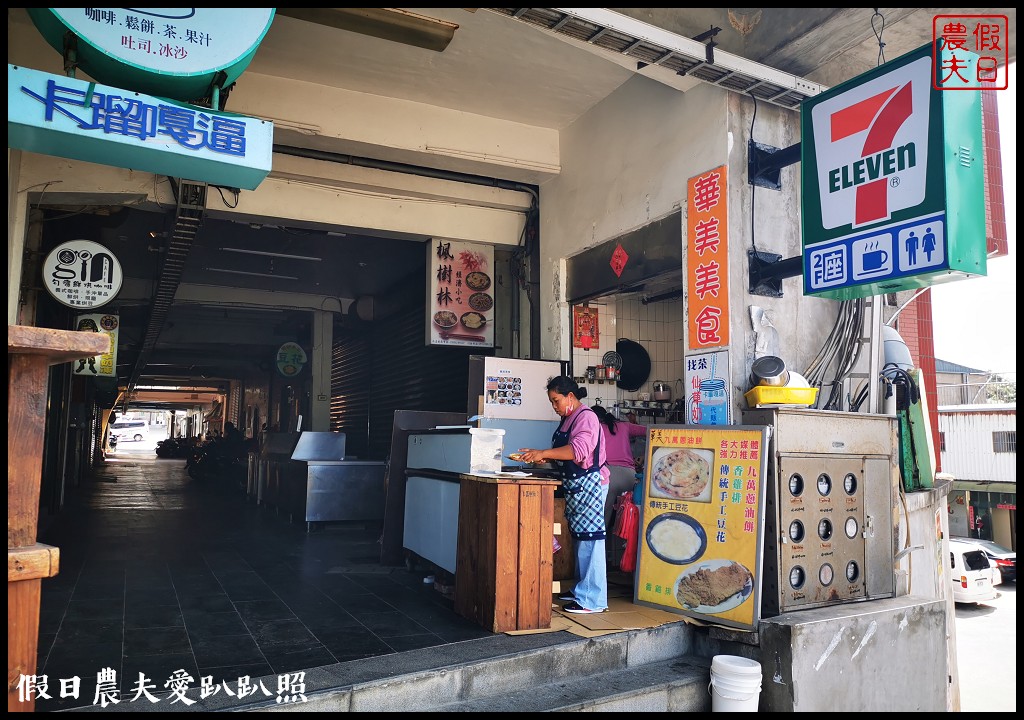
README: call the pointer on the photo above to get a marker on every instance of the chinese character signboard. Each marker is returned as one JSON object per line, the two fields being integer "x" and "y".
{"x": 707, "y": 260}
{"x": 82, "y": 274}
{"x": 460, "y": 304}
{"x": 708, "y": 392}
{"x": 976, "y": 47}
{"x": 893, "y": 182}
{"x": 701, "y": 532}
{"x": 290, "y": 359}
{"x": 62, "y": 116}
{"x": 100, "y": 365}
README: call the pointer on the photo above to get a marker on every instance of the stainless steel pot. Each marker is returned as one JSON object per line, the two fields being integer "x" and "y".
{"x": 769, "y": 370}
{"x": 662, "y": 391}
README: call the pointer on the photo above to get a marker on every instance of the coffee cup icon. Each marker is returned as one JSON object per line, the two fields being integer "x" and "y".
{"x": 875, "y": 259}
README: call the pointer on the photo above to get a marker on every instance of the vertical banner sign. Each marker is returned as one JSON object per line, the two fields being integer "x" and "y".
{"x": 460, "y": 304}
{"x": 100, "y": 365}
{"x": 707, "y": 260}
{"x": 708, "y": 390}
{"x": 702, "y": 523}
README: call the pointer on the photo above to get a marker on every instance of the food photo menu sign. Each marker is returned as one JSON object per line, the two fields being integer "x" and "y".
{"x": 460, "y": 301}
{"x": 702, "y": 523}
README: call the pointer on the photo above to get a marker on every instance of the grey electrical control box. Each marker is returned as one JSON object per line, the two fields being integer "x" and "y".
{"x": 831, "y": 512}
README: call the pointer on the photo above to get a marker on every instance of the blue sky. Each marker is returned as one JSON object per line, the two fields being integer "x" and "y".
{"x": 976, "y": 320}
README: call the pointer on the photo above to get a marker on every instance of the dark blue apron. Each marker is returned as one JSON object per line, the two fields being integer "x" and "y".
{"x": 584, "y": 501}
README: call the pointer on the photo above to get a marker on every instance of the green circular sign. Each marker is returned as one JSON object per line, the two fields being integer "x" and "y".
{"x": 174, "y": 53}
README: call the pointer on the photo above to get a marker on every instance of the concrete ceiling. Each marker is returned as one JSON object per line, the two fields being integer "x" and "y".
{"x": 495, "y": 66}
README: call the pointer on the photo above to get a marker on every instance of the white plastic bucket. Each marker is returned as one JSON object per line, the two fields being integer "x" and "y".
{"x": 735, "y": 684}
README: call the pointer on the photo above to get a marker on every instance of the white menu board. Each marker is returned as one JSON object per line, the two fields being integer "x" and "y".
{"x": 518, "y": 389}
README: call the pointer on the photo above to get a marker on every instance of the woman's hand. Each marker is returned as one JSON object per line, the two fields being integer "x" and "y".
{"x": 531, "y": 456}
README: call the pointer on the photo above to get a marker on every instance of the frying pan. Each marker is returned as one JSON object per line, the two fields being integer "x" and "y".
{"x": 636, "y": 364}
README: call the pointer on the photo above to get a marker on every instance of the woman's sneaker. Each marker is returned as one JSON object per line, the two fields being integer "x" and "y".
{"x": 567, "y": 596}
{"x": 577, "y": 609}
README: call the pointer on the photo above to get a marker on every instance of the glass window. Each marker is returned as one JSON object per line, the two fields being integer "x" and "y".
{"x": 1004, "y": 441}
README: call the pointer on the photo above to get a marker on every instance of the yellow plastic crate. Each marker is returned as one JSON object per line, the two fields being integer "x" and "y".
{"x": 763, "y": 395}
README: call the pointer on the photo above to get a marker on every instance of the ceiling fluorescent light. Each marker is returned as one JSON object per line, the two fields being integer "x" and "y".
{"x": 393, "y": 24}
{"x": 254, "y": 274}
{"x": 273, "y": 254}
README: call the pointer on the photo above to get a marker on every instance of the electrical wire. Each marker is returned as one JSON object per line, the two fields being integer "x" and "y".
{"x": 753, "y": 188}
{"x": 878, "y": 34}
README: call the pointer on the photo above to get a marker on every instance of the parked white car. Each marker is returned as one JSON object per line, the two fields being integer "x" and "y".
{"x": 974, "y": 576}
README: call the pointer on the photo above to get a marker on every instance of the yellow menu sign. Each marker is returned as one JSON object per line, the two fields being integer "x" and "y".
{"x": 701, "y": 530}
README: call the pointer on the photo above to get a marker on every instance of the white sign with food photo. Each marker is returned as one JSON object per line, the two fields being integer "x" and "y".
{"x": 460, "y": 299}
{"x": 702, "y": 522}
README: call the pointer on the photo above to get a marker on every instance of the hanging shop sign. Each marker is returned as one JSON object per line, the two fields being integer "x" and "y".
{"x": 171, "y": 52}
{"x": 702, "y": 523}
{"x": 708, "y": 391}
{"x": 290, "y": 359}
{"x": 893, "y": 183}
{"x": 57, "y": 115}
{"x": 707, "y": 260}
{"x": 104, "y": 365}
{"x": 82, "y": 274}
{"x": 460, "y": 301}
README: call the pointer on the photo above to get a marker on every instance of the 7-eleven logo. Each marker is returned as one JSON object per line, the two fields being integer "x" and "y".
{"x": 872, "y": 144}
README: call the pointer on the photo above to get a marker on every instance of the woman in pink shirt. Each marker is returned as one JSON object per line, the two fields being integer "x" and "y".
{"x": 617, "y": 436}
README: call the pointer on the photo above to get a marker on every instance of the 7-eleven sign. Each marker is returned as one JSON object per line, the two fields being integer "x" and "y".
{"x": 892, "y": 180}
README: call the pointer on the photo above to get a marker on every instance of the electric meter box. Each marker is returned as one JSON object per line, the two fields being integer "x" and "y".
{"x": 831, "y": 514}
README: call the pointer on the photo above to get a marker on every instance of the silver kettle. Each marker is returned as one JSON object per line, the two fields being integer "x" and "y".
{"x": 662, "y": 391}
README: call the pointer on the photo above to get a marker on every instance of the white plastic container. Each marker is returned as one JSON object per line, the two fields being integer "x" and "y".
{"x": 485, "y": 450}
{"x": 735, "y": 684}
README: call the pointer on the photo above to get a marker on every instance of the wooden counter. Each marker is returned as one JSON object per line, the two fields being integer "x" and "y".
{"x": 504, "y": 566}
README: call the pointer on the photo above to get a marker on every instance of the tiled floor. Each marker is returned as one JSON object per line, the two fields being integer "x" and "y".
{"x": 160, "y": 573}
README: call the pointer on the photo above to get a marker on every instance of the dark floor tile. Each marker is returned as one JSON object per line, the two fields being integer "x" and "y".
{"x": 213, "y": 603}
{"x": 195, "y": 585}
{"x": 391, "y": 624}
{"x": 152, "y": 616}
{"x": 335, "y": 619}
{"x": 290, "y": 634}
{"x": 263, "y": 610}
{"x": 413, "y": 642}
{"x": 286, "y": 661}
{"x": 457, "y": 632}
{"x": 208, "y": 625}
{"x": 362, "y": 604}
{"x": 227, "y": 650}
{"x": 150, "y": 596}
{"x": 158, "y": 670}
{"x": 92, "y": 631}
{"x": 95, "y": 609}
{"x": 258, "y": 590}
{"x": 353, "y": 644}
{"x": 154, "y": 641}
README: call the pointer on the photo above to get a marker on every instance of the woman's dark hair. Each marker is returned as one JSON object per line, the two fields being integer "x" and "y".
{"x": 564, "y": 385}
{"x": 606, "y": 417}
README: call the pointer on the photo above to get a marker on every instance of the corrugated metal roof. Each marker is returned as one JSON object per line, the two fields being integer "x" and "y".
{"x": 980, "y": 407}
{"x": 950, "y": 367}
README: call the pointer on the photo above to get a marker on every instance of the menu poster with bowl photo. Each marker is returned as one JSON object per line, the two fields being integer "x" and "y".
{"x": 702, "y": 523}
{"x": 460, "y": 294}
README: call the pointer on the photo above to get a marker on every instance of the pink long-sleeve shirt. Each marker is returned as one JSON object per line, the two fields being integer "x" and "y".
{"x": 617, "y": 446}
